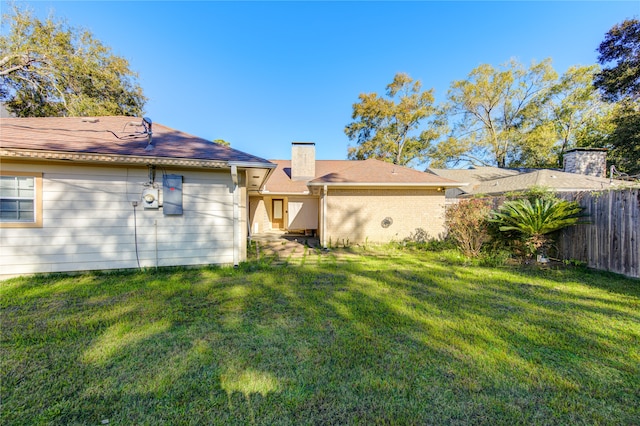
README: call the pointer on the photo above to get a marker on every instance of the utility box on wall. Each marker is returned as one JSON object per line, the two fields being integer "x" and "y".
{"x": 150, "y": 198}
{"x": 172, "y": 194}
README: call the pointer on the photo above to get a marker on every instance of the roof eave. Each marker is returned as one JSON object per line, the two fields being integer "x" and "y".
{"x": 390, "y": 184}
{"x": 267, "y": 192}
{"x": 253, "y": 164}
{"x": 115, "y": 159}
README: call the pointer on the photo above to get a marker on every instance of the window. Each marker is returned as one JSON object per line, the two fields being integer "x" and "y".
{"x": 20, "y": 199}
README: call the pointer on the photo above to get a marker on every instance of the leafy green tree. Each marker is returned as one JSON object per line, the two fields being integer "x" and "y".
{"x": 50, "y": 69}
{"x": 624, "y": 141}
{"x": 388, "y": 128}
{"x": 494, "y": 112}
{"x": 619, "y": 83}
{"x": 535, "y": 220}
{"x": 221, "y": 142}
{"x": 620, "y": 51}
{"x": 572, "y": 108}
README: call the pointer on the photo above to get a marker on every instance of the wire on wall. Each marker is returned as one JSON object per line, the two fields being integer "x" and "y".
{"x": 135, "y": 231}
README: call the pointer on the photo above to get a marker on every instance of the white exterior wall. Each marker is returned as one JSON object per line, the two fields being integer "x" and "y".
{"x": 259, "y": 216}
{"x": 88, "y": 222}
{"x": 300, "y": 213}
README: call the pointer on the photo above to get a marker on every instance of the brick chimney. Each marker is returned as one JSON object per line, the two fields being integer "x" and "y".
{"x": 586, "y": 161}
{"x": 303, "y": 161}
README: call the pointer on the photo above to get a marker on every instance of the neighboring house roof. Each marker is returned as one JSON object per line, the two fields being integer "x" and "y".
{"x": 554, "y": 179}
{"x": 474, "y": 175}
{"x": 369, "y": 172}
{"x": 113, "y": 139}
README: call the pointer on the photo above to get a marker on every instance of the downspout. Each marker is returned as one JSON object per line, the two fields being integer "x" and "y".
{"x": 324, "y": 216}
{"x": 236, "y": 217}
{"x": 247, "y": 207}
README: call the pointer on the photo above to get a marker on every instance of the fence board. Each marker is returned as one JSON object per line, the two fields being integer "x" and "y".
{"x": 611, "y": 240}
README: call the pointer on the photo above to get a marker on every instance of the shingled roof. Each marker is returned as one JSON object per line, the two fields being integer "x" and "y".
{"x": 475, "y": 174}
{"x": 112, "y": 139}
{"x": 369, "y": 172}
{"x": 554, "y": 179}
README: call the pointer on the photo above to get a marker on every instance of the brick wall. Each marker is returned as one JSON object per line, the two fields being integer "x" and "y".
{"x": 586, "y": 162}
{"x": 382, "y": 215}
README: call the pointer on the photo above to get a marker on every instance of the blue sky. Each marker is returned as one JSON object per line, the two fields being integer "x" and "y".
{"x": 263, "y": 74}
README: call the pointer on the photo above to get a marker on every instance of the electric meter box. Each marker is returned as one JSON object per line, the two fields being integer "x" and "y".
{"x": 150, "y": 198}
{"x": 172, "y": 194}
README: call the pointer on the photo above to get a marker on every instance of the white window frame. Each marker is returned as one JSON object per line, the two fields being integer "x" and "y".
{"x": 37, "y": 201}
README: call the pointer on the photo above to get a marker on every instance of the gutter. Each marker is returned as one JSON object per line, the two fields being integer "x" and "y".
{"x": 90, "y": 157}
{"x": 236, "y": 216}
{"x": 111, "y": 158}
{"x": 267, "y": 192}
{"x": 253, "y": 164}
{"x": 325, "y": 194}
{"x": 386, "y": 184}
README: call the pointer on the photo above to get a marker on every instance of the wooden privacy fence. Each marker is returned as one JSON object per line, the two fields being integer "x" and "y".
{"x": 611, "y": 239}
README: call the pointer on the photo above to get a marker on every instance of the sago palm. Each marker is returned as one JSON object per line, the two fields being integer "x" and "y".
{"x": 534, "y": 221}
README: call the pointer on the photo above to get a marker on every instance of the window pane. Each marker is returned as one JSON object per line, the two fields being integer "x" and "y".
{"x": 9, "y": 210}
{"x": 25, "y": 186}
{"x": 277, "y": 209}
{"x": 7, "y": 181}
{"x": 25, "y": 181}
{"x": 8, "y": 205}
{"x": 8, "y": 215}
{"x": 25, "y": 210}
{"x": 8, "y": 186}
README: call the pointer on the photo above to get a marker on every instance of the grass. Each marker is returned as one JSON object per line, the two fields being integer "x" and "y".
{"x": 359, "y": 338}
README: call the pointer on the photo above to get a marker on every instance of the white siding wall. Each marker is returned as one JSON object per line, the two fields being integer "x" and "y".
{"x": 88, "y": 222}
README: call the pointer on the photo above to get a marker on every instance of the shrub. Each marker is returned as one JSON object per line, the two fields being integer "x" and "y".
{"x": 533, "y": 221}
{"x": 495, "y": 258}
{"x": 467, "y": 223}
{"x": 420, "y": 239}
{"x": 418, "y": 236}
{"x": 532, "y": 194}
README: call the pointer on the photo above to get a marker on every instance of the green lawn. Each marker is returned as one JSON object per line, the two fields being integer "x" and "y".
{"x": 365, "y": 338}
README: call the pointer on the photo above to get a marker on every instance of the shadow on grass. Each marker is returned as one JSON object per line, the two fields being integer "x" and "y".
{"x": 404, "y": 340}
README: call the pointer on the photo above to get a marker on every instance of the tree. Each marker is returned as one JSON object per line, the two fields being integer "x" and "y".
{"x": 494, "y": 112}
{"x": 573, "y": 106}
{"x": 50, "y": 69}
{"x": 624, "y": 141}
{"x": 222, "y": 142}
{"x": 621, "y": 46}
{"x": 619, "y": 83}
{"x": 387, "y": 128}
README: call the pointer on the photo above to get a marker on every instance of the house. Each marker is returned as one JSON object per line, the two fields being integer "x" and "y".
{"x": 119, "y": 192}
{"x": 473, "y": 176}
{"x": 348, "y": 201}
{"x": 584, "y": 170}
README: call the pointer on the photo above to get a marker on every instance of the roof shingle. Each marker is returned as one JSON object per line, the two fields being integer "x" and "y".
{"x": 115, "y": 135}
{"x": 355, "y": 172}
